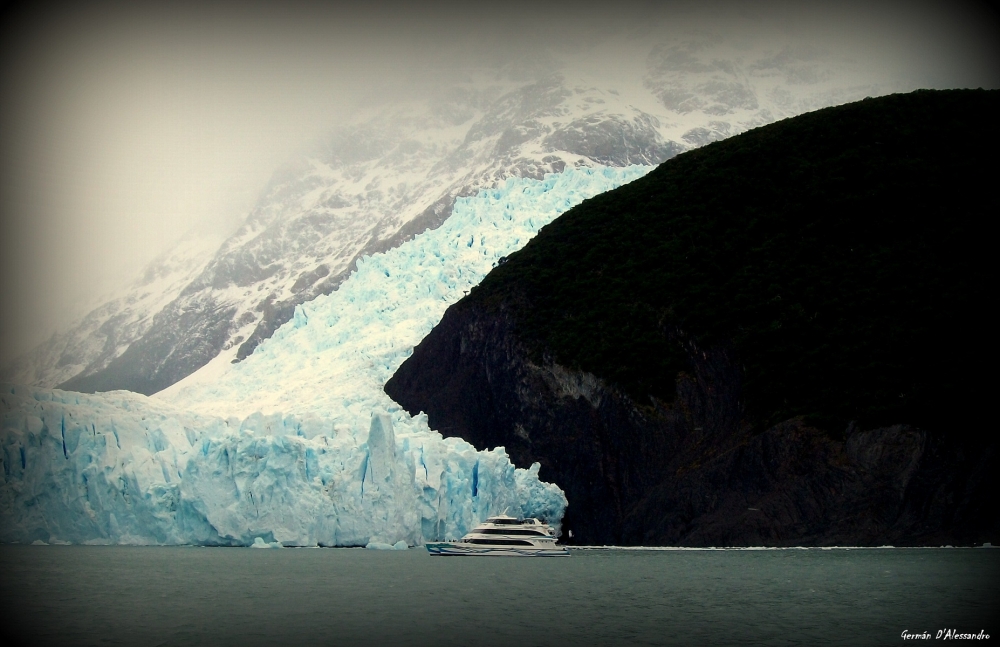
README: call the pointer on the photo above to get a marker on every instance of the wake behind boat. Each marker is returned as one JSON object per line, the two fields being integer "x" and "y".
{"x": 504, "y": 536}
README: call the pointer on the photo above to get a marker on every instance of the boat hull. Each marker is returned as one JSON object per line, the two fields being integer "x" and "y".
{"x": 455, "y": 549}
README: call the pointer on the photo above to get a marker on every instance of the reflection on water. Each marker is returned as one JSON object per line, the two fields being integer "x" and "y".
{"x": 118, "y": 595}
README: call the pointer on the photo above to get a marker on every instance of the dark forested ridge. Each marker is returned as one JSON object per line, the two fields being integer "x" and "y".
{"x": 811, "y": 283}
{"x": 841, "y": 256}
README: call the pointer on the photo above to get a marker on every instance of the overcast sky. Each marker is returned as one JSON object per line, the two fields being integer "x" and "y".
{"x": 122, "y": 126}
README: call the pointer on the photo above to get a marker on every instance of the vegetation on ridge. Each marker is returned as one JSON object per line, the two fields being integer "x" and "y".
{"x": 839, "y": 256}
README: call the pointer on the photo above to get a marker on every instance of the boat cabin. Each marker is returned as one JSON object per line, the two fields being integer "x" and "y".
{"x": 504, "y": 520}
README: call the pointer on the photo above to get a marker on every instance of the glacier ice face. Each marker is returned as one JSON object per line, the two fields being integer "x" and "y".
{"x": 122, "y": 469}
{"x": 312, "y": 452}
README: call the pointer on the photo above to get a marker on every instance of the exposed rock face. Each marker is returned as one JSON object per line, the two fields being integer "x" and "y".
{"x": 691, "y": 473}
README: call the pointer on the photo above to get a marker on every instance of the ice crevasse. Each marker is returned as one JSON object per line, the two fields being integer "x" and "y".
{"x": 297, "y": 445}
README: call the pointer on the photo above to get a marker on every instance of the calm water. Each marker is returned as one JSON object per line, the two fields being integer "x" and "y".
{"x": 81, "y": 595}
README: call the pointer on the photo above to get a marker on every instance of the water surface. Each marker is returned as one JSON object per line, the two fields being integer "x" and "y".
{"x": 121, "y": 595}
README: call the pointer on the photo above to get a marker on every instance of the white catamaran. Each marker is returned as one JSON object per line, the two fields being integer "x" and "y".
{"x": 504, "y": 536}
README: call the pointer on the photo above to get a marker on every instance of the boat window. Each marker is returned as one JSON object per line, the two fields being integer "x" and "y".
{"x": 507, "y": 521}
{"x": 511, "y": 531}
{"x": 500, "y": 542}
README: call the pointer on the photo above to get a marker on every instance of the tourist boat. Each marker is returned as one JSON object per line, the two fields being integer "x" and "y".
{"x": 504, "y": 536}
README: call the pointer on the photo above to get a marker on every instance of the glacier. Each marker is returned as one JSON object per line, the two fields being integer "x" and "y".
{"x": 297, "y": 445}
{"x": 333, "y": 358}
{"x": 119, "y": 469}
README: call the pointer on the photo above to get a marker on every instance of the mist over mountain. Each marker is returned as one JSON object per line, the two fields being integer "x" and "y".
{"x": 378, "y": 180}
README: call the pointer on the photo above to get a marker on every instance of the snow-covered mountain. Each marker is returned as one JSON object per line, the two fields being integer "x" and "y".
{"x": 299, "y": 444}
{"x": 350, "y": 257}
{"x": 107, "y": 331}
{"x": 382, "y": 179}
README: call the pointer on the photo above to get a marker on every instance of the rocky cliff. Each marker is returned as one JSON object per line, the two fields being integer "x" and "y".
{"x": 678, "y": 403}
{"x": 691, "y": 472}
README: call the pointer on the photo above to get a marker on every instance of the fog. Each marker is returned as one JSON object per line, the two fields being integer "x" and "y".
{"x": 124, "y": 126}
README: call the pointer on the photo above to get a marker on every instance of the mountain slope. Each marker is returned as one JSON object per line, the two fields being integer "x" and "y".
{"x": 107, "y": 331}
{"x": 780, "y": 321}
